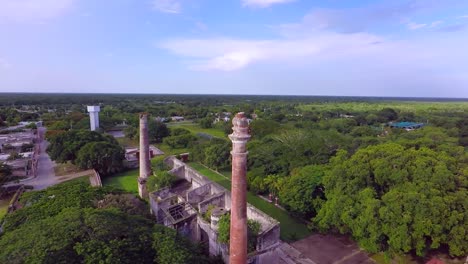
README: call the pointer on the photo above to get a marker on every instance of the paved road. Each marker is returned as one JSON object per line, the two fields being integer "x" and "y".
{"x": 45, "y": 167}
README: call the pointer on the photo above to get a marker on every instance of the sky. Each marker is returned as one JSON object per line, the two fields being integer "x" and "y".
{"x": 405, "y": 48}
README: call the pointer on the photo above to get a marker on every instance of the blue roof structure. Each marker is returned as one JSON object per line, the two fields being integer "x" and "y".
{"x": 407, "y": 125}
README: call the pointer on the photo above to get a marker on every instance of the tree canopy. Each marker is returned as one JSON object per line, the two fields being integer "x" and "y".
{"x": 396, "y": 199}
{"x": 75, "y": 223}
{"x": 88, "y": 150}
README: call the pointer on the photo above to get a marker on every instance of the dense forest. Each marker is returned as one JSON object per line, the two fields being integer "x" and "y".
{"x": 334, "y": 162}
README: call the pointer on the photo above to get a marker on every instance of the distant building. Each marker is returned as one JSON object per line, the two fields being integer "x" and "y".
{"x": 408, "y": 126}
{"x": 177, "y": 118}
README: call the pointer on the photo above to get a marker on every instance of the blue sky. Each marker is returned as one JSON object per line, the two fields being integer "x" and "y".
{"x": 301, "y": 47}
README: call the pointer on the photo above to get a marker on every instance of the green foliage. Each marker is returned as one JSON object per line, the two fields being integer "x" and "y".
{"x": 224, "y": 225}
{"x": 397, "y": 199}
{"x": 217, "y": 155}
{"x": 31, "y": 126}
{"x": 182, "y": 141}
{"x": 60, "y": 125}
{"x": 75, "y": 223}
{"x": 253, "y": 228}
{"x": 387, "y": 115}
{"x": 65, "y": 146}
{"x": 302, "y": 192}
{"x": 172, "y": 248}
{"x": 261, "y": 127}
{"x": 131, "y": 132}
{"x": 157, "y": 131}
{"x": 104, "y": 157}
{"x": 178, "y": 131}
{"x": 207, "y": 214}
{"x": 206, "y": 122}
{"x": 160, "y": 180}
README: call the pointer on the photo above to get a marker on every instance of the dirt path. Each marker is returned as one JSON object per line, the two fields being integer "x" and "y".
{"x": 330, "y": 249}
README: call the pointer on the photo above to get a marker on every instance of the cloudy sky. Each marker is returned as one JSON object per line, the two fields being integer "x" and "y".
{"x": 301, "y": 47}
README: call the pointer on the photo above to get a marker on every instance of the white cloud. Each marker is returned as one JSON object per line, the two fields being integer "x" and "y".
{"x": 463, "y": 17}
{"x": 436, "y": 24}
{"x": 4, "y": 64}
{"x": 330, "y": 45}
{"x": 233, "y": 54}
{"x": 32, "y": 10}
{"x": 167, "y": 6}
{"x": 263, "y": 3}
{"x": 201, "y": 26}
{"x": 415, "y": 26}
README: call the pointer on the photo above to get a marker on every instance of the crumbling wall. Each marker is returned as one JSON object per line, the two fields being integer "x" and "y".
{"x": 265, "y": 220}
{"x": 195, "y": 177}
{"x": 158, "y": 200}
{"x": 197, "y": 195}
{"x": 268, "y": 238}
{"x": 216, "y": 200}
{"x": 215, "y": 248}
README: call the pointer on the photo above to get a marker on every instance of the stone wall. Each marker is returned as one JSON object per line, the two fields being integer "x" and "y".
{"x": 217, "y": 200}
{"x": 268, "y": 239}
{"x": 95, "y": 179}
{"x": 197, "y": 195}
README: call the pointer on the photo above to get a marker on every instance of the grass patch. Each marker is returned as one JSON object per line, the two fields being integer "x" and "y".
{"x": 168, "y": 151}
{"x": 66, "y": 168}
{"x": 4, "y": 207}
{"x": 195, "y": 128}
{"x": 292, "y": 229}
{"x": 125, "y": 180}
{"x": 127, "y": 143}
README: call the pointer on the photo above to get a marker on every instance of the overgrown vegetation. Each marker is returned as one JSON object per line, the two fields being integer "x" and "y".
{"x": 75, "y": 223}
{"x": 87, "y": 150}
{"x": 253, "y": 229}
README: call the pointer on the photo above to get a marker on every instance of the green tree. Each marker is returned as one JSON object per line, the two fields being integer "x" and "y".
{"x": 260, "y": 128}
{"x": 104, "y": 157}
{"x": 206, "y": 122}
{"x": 157, "y": 131}
{"x": 397, "y": 199}
{"x": 131, "y": 132}
{"x": 160, "y": 180}
{"x": 302, "y": 192}
{"x": 76, "y": 223}
{"x": 217, "y": 156}
{"x": 64, "y": 146}
{"x": 387, "y": 115}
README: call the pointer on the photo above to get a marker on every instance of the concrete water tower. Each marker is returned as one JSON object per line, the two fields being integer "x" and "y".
{"x": 94, "y": 116}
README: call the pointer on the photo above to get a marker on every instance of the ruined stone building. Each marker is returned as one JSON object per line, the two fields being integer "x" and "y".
{"x": 182, "y": 207}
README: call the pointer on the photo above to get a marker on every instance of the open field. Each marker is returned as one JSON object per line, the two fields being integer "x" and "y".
{"x": 291, "y": 228}
{"x": 126, "y": 180}
{"x": 195, "y": 128}
{"x": 406, "y": 106}
{"x": 168, "y": 151}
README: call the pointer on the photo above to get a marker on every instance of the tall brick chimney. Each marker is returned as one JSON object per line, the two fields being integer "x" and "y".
{"x": 238, "y": 231}
{"x": 145, "y": 165}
